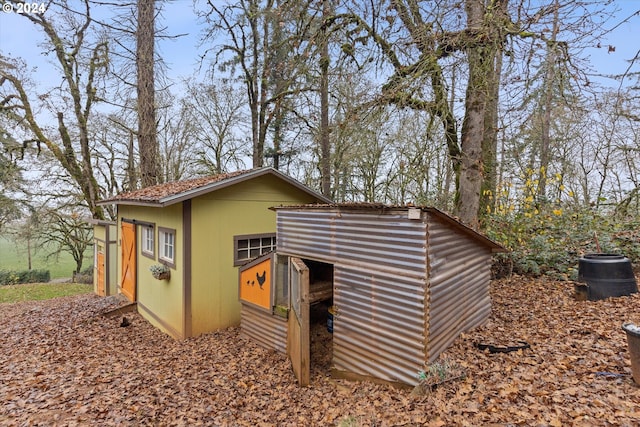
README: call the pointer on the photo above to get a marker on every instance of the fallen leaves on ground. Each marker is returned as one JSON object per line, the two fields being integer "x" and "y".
{"x": 63, "y": 363}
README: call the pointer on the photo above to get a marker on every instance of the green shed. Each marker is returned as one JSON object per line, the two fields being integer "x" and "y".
{"x": 180, "y": 244}
{"x": 104, "y": 257}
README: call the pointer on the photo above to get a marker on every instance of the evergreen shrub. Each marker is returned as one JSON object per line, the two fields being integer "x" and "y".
{"x": 12, "y": 277}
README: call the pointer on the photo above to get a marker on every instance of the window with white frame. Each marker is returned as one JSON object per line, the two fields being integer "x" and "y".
{"x": 250, "y": 246}
{"x": 148, "y": 240}
{"x": 167, "y": 245}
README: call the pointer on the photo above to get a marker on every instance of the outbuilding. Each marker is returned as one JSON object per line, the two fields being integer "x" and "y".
{"x": 403, "y": 282}
{"x": 180, "y": 244}
{"x": 104, "y": 257}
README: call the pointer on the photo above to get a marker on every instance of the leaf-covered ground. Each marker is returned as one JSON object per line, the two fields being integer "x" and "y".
{"x": 62, "y": 363}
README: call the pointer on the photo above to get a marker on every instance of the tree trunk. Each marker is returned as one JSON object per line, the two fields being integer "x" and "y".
{"x": 545, "y": 117}
{"x": 29, "y": 254}
{"x": 260, "y": 76}
{"x": 490, "y": 141}
{"x": 147, "y": 138}
{"x": 473, "y": 123}
{"x": 490, "y": 137}
{"x": 325, "y": 147}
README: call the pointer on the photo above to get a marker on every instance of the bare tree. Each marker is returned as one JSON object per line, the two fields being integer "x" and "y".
{"x": 423, "y": 44}
{"x": 176, "y": 139}
{"x": 419, "y": 65}
{"x": 28, "y": 233}
{"x": 67, "y": 231}
{"x": 10, "y": 179}
{"x": 256, "y": 35}
{"x": 547, "y": 102}
{"x": 325, "y": 142}
{"x": 81, "y": 62}
{"x": 214, "y": 114}
{"x": 115, "y": 154}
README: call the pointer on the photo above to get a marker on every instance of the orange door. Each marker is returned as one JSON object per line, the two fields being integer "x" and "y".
{"x": 128, "y": 282}
{"x": 100, "y": 274}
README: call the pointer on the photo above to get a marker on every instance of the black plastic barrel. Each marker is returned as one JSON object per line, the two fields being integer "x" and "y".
{"x": 606, "y": 275}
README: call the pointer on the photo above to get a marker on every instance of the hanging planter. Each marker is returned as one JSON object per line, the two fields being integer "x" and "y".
{"x": 160, "y": 272}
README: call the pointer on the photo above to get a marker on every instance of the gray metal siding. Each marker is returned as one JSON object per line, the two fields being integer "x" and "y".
{"x": 400, "y": 303}
{"x": 459, "y": 274}
{"x": 386, "y": 242}
{"x": 379, "y": 285}
{"x": 267, "y": 330}
{"x": 379, "y": 326}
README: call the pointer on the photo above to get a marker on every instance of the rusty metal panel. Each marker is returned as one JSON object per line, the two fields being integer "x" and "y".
{"x": 379, "y": 260}
{"x": 379, "y": 325}
{"x": 264, "y": 328}
{"x": 399, "y": 304}
{"x": 384, "y": 241}
{"x": 459, "y": 274}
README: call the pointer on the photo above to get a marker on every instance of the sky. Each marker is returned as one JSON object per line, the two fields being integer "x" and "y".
{"x": 624, "y": 38}
{"x": 18, "y": 37}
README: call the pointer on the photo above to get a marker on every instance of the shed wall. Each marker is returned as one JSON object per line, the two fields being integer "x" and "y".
{"x": 379, "y": 325}
{"x": 459, "y": 274}
{"x": 104, "y": 236}
{"x": 379, "y": 285}
{"x": 217, "y": 218}
{"x": 385, "y": 242}
{"x": 159, "y": 301}
{"x": 112, "y": 260}
{"x": 99, "y": 245}
{"x": 264, "y": 328}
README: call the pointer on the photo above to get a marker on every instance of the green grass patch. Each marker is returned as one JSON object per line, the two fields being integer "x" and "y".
{"x": 15, "y": 257}
{"x": 41, "y": 291}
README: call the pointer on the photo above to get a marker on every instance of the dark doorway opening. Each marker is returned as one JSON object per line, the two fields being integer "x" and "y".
{"x": 321, "y": 300}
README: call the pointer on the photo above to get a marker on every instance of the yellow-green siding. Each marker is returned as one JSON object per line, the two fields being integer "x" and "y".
{"x": 216, "y": 218}
{"x": 99, "y": 232}
{"x": 161, "y": 302}
{"x": 104, "y": 237}
{"x": 202, "y": 294}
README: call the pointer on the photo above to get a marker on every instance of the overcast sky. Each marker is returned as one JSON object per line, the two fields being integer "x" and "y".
{"x": 20, "y": 38}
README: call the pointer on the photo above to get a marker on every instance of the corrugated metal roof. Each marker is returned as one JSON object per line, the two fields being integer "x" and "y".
{"x": 177, "y": 191}
{"x": 494, "y": 246}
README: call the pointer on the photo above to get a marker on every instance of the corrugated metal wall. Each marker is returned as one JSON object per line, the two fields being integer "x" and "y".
{"x": 261, "y": 326}
{"x": 458, "y": 285}
{"x": 386, "y": 242}
{"x": 379, "y": 326}
{"x": 379, "y": 285}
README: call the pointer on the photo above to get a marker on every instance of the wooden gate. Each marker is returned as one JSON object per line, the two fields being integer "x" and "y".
{"x": 128, "y": 244}
{"x": 298, "y": 346}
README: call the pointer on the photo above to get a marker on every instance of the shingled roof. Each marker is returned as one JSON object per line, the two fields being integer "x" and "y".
{"x": 177, "y": 191}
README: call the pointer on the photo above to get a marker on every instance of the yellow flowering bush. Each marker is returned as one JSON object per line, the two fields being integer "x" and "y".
{"x": 548, "y": 236}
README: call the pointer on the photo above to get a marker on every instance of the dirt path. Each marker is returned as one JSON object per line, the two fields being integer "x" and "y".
{"x": 62, "y": 363}
{"x": 61, "y": 280}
